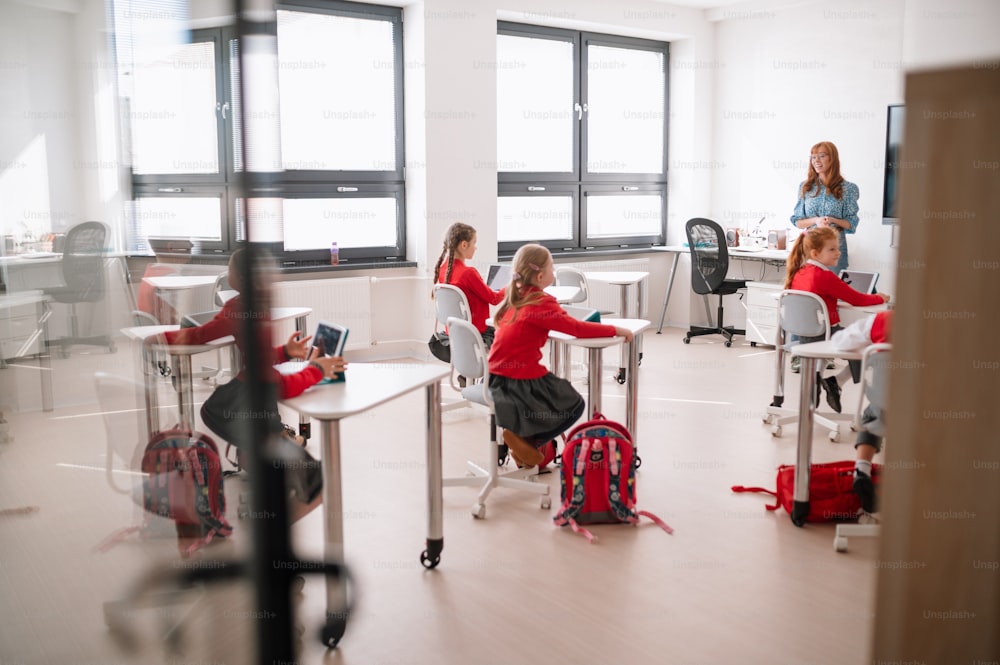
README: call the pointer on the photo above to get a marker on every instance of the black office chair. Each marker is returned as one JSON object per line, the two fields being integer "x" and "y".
{"x": 82, "y": 269}
{"x": 709, "y": 265}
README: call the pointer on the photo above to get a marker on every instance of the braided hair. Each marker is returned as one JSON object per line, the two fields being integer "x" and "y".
{"x": 457, "y": 234}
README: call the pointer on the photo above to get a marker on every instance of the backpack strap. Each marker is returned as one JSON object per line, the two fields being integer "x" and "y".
{"x": 757, "y": 490}
{"x": 573, "y": 503}
{"x": 591, "y": 538}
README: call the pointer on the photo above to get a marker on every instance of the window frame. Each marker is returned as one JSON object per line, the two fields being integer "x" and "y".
{"x": 581, "y": 180}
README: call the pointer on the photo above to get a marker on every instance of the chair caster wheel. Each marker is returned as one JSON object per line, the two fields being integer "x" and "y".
{"x": 546, "y": 502}
{"x": 620, "y": 377}
{"x": 753, "y": 345}
{"x": 840, "y": 544}
{"x": 776, "y": 431}
{"x": 333, "y": 631}
{"x": 687, "y": 340}
{"x": 834, "y": 436}
{"x": 479, "y": 511}
{"x": 728, "y": 344}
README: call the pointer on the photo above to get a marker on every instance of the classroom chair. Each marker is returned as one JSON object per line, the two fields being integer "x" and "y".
{"x": 567, "y": 276}
{"x": 450, "y": 301}
{"x": 468, "y": 358}
{"x": 803, "y": 314}
{"x": 874, "y": 387}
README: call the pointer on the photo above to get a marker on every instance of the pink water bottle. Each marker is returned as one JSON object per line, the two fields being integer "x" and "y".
{"x": 334, "y": 254}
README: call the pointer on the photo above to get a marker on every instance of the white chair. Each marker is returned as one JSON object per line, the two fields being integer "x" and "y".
{"x": 874, "y": 386}
{"x": 573, "y": 277}
{"x": 468, "y": 358}
{"x": 451, "y": 302}
{"x": 803, "y": 314}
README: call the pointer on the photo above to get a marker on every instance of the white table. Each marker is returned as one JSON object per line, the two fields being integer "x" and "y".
{"x": 812, "y": 354}
{"x": 594, "y": 346}
{"x": 625, "y": 280}
{"x": 777, "y": 257}
{"x": 367, "y": 386}
{"x": 39, "y": 334}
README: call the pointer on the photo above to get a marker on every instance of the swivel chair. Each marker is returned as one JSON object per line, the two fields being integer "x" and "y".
{"x": 803, "y": 314}
{"x": 573, "y": 277}
{"x": 82, "y": 269}
{"x": 468, "y": 358}
{"x": 450, "y": 301}
{"x": 874, "y": 386}
{"x": 709, "y": 265}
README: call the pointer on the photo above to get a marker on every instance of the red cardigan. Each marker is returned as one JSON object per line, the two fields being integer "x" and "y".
{"x": 229, "y": 321}
{"x": 830, "y": 288}
{"x": 521, "y": 334}
{"x": 471, "y": 283}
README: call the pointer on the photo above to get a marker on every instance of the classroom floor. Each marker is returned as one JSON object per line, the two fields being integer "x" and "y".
{"x": 734, "y": 583}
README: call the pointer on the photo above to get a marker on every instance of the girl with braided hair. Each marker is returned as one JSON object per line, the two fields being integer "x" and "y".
{"x": 451, "y": 268}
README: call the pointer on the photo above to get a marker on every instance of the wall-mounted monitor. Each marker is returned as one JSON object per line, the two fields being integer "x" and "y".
{"x": 893, "y": 143}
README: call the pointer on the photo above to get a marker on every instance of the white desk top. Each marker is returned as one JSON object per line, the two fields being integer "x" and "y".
{"x": 284, "y": 313}
{"x": 824, "y": 349}
{"x": 367, "y": 386}
{"x": 147, "y": 334}
{"x": 174, "y": 282}
{"x": 760, "y": 254}
{"x": 619, "y": 278}
{"x": 22, "y": 298}
{"x": 637, "y": 326}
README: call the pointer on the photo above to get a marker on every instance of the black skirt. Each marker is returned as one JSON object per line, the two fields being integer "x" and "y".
{"x": 537, "y": 410}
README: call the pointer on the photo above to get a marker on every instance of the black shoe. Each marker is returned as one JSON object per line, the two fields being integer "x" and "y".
{"x": 864, "y": 487}
{"x": 796, "y": 363}
{"x": 832, "y": 392}
{"x": 461, "y": 381}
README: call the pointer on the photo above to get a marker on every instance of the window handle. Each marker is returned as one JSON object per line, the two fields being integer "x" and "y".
{"x": 629, "y": 188}
{"x": 170, "y": 190}
{"x": 223, "y": 107}
{"x": 535, "y": 188}
{"x": 347, "y": 189}
{"x": 579, "y": 111}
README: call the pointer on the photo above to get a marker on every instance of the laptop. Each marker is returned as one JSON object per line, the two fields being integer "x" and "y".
{"x": 860, "y": 280}
{"x": 499, "y": 276}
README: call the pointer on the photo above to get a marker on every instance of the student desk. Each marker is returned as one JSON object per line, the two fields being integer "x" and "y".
{"x": 368, "y": 386}
{"x": 625, "y": 280}
{"x": 776, "y": 257}
{"x": 594, "y": 346}
{"x": 170, "y": 289}
{"x": 812, "y": 354}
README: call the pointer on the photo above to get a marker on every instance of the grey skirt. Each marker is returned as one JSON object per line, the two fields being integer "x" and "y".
{"x": 537, "y": 410}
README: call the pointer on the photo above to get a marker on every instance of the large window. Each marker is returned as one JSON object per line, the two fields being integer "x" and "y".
{"x": 331, "y": 139}
{"x": 581, "y": 139}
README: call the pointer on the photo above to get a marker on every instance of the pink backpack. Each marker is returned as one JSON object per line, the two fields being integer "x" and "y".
{"x": 598, "y": 478}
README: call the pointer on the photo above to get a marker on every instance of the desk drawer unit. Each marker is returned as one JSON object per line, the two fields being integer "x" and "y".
{"x": 17, "y": 325}
{"x": 762, "y": 312}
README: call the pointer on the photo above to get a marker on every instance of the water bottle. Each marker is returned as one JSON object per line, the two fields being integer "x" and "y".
{"x": 334, "y": 254}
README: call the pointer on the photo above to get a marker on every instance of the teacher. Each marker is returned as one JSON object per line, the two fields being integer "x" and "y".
{"x": 826, "y": 199}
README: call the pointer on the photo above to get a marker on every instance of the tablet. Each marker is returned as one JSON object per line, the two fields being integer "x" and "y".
{"x": 499, "y": 276}
{"x": 330, "y": 339}
{"x": 860, "y": 280}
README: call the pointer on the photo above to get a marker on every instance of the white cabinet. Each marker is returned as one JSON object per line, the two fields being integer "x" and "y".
{"x": 762, "y": 312}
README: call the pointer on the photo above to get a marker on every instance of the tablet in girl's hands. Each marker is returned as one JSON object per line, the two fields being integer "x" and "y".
{"x": 330, "y": 339}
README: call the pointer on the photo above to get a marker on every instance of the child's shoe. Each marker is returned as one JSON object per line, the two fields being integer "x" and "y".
{"x": 525, "y": 454}
{"x": 832, "y": 392}
{"x": 864, "y": 487}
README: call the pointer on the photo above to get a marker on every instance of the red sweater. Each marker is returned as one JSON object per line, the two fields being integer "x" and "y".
{"x": 830, "y": 288}
{"x": 882, "y": 327}
{"x": 521, "y": 334}
{"x": 229, "y": 321}
{"x": 475, "y": 289}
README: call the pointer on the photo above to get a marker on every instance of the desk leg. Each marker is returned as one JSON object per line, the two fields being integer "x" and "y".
{"x": 670, "y": 285}
{"x": 594, "y": 381}
{"x": 44, "y": 357}
{"x": 305, "y": 426}
{"x": 632, "y": 395}
{"x": 431, "y": 556}
{"x": 623, "y": 353}
{"x": 185, "y": 392}
{"x": 800, "y": 504}
{"x": 333, "y": 528}
{"x": 779, "y": 370}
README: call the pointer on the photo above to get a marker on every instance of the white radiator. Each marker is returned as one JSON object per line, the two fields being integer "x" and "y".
{"x": 347, "y": 302}
{"x": 607, "y": 297}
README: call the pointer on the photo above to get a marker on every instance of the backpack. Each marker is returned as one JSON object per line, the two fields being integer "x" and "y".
{"x": 598, "y": 478}
{"x": 831, "y": 491}
{"x": 182, "y": 481}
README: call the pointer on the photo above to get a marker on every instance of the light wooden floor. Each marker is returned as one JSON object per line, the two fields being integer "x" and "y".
{"x": 734, "y": 583}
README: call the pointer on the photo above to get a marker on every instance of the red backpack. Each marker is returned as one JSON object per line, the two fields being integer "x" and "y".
{"x": 831, "y": 491}
{"x": 598, "y": 478}
{"x": 182, "y": 481}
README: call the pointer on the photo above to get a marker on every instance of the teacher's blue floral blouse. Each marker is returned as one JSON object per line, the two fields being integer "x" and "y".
{"x": 821, "y": 203}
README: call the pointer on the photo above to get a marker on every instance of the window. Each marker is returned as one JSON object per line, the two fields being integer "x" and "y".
{"x": 581, "y": 139}
{"x": 332, "y": 138}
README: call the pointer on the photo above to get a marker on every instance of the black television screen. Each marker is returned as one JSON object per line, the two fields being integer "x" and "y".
{"x": 893, "y": 142}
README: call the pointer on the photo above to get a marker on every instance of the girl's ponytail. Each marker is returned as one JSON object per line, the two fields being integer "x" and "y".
{"x": 808, "y": 242}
